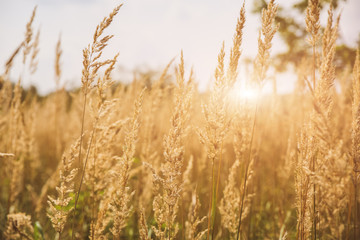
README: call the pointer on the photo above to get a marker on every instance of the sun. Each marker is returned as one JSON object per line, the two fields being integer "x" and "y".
{"x": 243, "y": 93}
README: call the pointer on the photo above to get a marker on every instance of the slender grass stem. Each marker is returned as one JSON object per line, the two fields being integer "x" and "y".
{"x": 247, "y": 165}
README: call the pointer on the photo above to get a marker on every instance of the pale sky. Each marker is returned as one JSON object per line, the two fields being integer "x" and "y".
{"x": 148, "y": 34}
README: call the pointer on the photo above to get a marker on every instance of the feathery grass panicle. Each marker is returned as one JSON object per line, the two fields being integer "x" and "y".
{"x": 93, "y": 52}
{"x": 168, "y": 185}
{"x": 214, "y": 132}
{"x": 120, "y": 204}
{"x": 323, "y": 92}
{"x": 10, "y": 60}
{"x": 34, "y": 53}
{"x": 313, "y": 21}
{"x": 59, "y": 208}
{"x": 19, "y": 226}
{"x": 57, "y": 66}
{"x": 303, "y": 184}
{"x": 151, "y": 138}
{"x": 268, "y": 30}
{"x": 91, "y": 65}
{"x": 313, "y": 26}
{"x": 194, "y": 221}
{"x": 143, "y": 228}
{"x": 118, "y": 197}
{"x": 105, "y": 82}
{"x": 235, "y": 51}
{"x": 230, "y": 203}
{"x": 28, "y": 36}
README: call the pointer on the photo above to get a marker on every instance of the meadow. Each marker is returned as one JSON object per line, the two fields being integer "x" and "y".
{"x": 159, "y": 159}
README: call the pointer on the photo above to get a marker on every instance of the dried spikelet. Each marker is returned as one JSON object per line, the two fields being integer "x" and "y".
{"x": 268, "y": 30}
{"x": 168, "y": 184}
{"x": 119, "y": 205}
{"x": 92, "y": 53}
{"x": 235, "y": 51}
{"x": 323, "y": 91}
{"x": 312, "y": 21}
{"x": 333, "y": 177}
{"x": 102, "y": 221}
{"x": 187, "y": 183}
{"x": 59, "y": 207}
{"x": 10, "y": 61}
{"x": 35, "y": 51}
{"x": 105, "y": 82}
{"x": 58, "y": 54}
{"x": 303, "y": 178}
{"x": 19, "y": 226}
{"x": 193, "y": 222}
{"x": 230, "y": 203}
{"x": 143, "y": 228}
{"x": 28, "y": 36}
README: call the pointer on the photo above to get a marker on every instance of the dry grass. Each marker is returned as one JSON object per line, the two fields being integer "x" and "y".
{"x": 157, "y": 159}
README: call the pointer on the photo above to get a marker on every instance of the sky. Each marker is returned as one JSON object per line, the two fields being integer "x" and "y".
{"x": 148, "y": 34}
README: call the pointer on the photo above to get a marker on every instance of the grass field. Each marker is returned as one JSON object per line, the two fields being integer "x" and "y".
{"x": 158, "y": 159}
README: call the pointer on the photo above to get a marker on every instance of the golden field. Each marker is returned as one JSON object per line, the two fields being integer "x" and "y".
{"x": 159, "y": 159}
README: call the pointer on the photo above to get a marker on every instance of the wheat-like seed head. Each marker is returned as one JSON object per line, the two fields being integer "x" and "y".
{"x": 268, "y": 30}
{"x": 93, "y": 52}
{"x": 35, "y": 52}
{"x": 312, "y": 21}
{"x": 28, "y": 35}
{"x": 57, "y": 66}
{"x": 58, "y": 208}
{"x": 235, "y": 51}
{"x": 19, "y": 226}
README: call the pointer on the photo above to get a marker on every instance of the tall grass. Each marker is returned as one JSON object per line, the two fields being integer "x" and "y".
{"x": 158, "y": 159}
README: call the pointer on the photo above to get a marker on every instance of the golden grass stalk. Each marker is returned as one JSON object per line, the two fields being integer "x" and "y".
{"x": 261, "y": 66}
{"x": 216, "y": 117}
{"x": 168, "y": 182}
{"x": 317, "y": 134}
{"x": 120, "y": 207}
{"x": 91, "y": 65}
{"x": 59, "y": 208}
{"x": 143, "y": 228}
{"x": 193, "y": 222}
{"x": 356, "y": 136}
